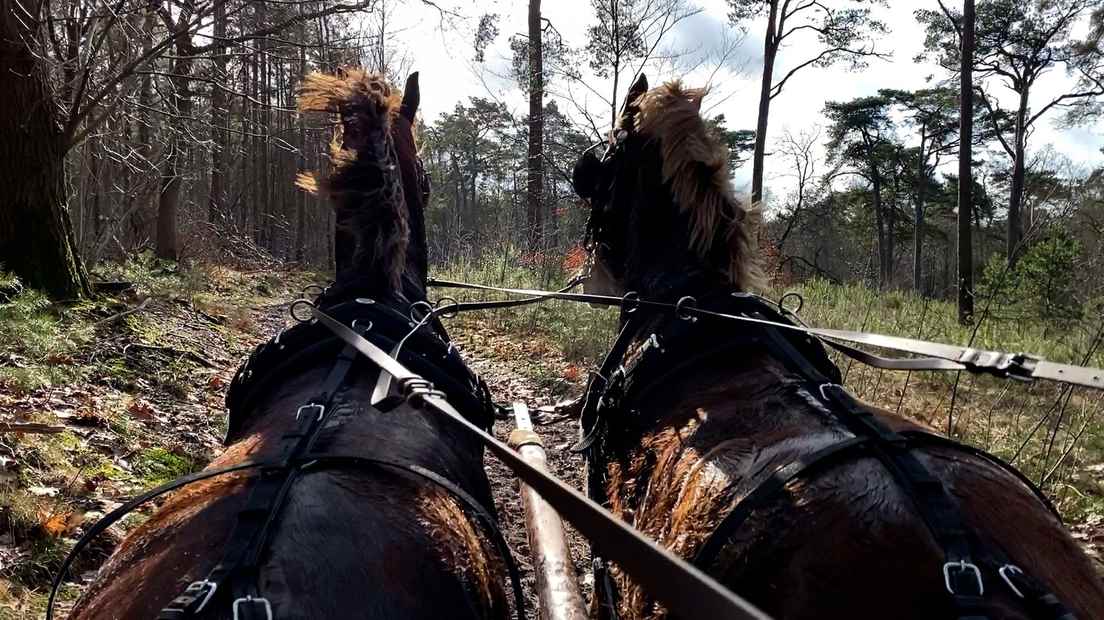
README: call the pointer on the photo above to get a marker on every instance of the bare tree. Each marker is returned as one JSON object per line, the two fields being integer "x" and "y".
{"x": 844, "y": 32}
{"x": 626, "y": 35}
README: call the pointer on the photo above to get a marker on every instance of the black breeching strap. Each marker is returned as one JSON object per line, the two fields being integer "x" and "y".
{"x": 938, "y": 511}
{"x": 126, "y": 508}
{"x": 801, "y": 467}
{"x": 239, "y": 566}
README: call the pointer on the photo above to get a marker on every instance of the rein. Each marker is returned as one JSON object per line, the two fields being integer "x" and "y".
{"x": 936, "y": 356}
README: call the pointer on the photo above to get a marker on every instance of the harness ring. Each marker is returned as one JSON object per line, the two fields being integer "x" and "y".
{"x": 683, "y": 307}
{"x": 630, "y": 302}
{"x": 420, "y": 304}
{"x": 783, "y": 298}
{"x": 441, "y": 307}
{"x": 299, "y": 303}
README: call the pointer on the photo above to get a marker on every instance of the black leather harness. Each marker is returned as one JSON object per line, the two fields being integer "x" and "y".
{"x": 429, "y": 352}
{"x": 234, "y": 581}
{"x": 676, "y": 346}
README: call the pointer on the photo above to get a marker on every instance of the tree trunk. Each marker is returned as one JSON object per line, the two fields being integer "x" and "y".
{"x": 301, "y": 196}
{"x": 140, "y": 216}
{"x": 891, "y": 243}
{"x": 216, "y": 200}
{"x": 168, "y": 203}
{"x": 616, "y": 70}
{"x": 965, "y": 168}
{"x": 535, "y": 181}
{"x": 880, "y": 224}
{"x": 36, "y": 237}
{"x": 918, "y": 223}
{"x": 758, "y": 157}
{"x": 1015, "y": 198}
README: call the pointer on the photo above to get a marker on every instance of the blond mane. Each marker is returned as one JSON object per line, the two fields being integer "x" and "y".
{"x": 695, "y": 164}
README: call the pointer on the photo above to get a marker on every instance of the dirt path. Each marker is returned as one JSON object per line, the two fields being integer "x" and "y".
{"x": 488, "y": 354}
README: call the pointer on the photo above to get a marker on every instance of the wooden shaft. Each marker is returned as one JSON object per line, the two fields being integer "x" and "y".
{"x": 557, "y": 586}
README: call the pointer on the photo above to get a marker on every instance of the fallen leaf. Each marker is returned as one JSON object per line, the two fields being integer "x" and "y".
{"x": 62, "y": 523}
{"x": 141, "y": 409}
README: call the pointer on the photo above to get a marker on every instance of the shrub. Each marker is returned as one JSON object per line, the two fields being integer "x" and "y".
{"x": 1043, "y": 284}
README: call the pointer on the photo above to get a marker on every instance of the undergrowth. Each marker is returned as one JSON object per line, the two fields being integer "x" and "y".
{"x": 117, "y": 394}
{"x": 38, "y": 340}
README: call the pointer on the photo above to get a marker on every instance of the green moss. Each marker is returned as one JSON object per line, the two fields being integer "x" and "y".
{"x": 40, "y": 340}
{"x": 156, "y": 466}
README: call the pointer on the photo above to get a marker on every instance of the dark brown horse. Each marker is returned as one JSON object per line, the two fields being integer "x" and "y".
{"x": 732, "y": 444}
{"x": 389, "y": 532}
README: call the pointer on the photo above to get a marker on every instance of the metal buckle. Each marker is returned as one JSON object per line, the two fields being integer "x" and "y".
{"x": 1018, "y": 366}
{"x": 1004, "y": 572}
{"x": 962, "y": 565}
{"x": 630, "y": 302}
{"x": 321, "y": 410}
{"x": 249, "y": 600}
{"x": 198, "y": 586}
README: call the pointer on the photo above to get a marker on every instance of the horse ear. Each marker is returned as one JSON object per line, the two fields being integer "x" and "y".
{"x": 639, "y": 87}
{"x": 412, "y": 96}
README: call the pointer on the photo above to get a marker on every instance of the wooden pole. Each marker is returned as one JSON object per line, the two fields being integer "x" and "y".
{"x": 557, "y": 587}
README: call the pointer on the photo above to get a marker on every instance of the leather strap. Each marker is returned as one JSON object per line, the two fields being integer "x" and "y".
{"x": 126, "y": 508}
{"x": 802, "y": 467}
{"x": 943, "y": 442}
{"x": 936, "y": 356}
{"x": 237, "y": 571}
{"x": 939, "y": 512}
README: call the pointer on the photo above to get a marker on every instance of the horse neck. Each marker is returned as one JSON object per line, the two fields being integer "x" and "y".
{"x": 372, "y": 238}
{"x": 661, "y": 263}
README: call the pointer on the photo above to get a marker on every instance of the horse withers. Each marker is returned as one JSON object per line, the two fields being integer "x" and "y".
{"x": 733, "y": 444}
{"x": 365, "y": 507}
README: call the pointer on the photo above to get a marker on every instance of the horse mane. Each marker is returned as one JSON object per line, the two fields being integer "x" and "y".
{"x": 695, "y": 164}
{"x": 361, "y": 182}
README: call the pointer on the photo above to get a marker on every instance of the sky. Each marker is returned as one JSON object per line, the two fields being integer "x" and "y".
{"x": 440, "y": 46}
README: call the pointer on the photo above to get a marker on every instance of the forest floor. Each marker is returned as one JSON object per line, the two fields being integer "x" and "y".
{"x": 101, "y": 400}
